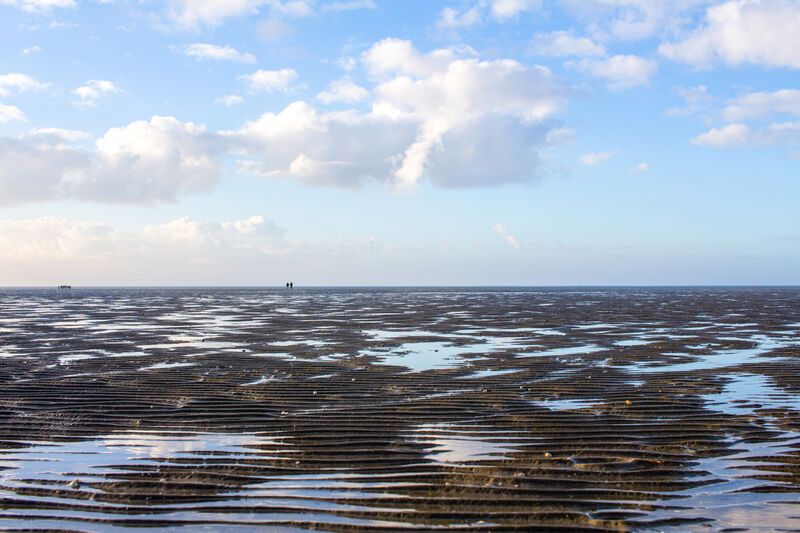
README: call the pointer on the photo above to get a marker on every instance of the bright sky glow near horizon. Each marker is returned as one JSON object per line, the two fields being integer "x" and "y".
{"x": 363, "y": 142}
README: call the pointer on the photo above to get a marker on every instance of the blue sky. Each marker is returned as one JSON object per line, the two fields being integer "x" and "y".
{"x": 394, "y": 142}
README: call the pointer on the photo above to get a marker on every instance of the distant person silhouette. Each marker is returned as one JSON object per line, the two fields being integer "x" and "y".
{"x": 291, "y": 285}
{"x": 287, "y": 284}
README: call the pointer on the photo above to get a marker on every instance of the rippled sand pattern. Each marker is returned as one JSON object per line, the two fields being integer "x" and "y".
{"x": 618, "y": 409}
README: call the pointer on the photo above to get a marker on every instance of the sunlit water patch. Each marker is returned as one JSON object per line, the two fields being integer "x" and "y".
{"x": 746, "y": 393}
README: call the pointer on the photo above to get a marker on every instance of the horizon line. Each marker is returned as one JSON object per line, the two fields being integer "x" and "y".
{"x": 400, "y": 286}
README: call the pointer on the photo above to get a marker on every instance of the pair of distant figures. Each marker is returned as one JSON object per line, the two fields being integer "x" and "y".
{"x": 289, "y": 285}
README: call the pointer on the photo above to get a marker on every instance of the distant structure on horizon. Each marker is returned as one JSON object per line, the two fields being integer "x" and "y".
{"x": 64, "y": 287}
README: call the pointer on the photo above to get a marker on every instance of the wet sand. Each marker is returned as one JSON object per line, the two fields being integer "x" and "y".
{"x": 342, "y": 409}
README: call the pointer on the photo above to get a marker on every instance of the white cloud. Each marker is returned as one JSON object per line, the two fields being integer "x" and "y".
{"x": 191, "y": 14}
{"x": 10, "y": 113}
{"x": 31, "y": 50}
{"x": 446, "y": 93}
{"x": 452, "y": 18}
{"x": 33, "y": 170}
{"x": 620, "y": 71}
{"x": 761, "y": 104}
{"x": 343, "y": 91}
{"x": 738, "y": 134}
{"x": 15, "y": 83}
{"x": 155, "y": 160}
{"x": 444, "y": 116}
{"x": 145, "y": 162}
{"x": 342, "y": 149}
{"x": 229, "y": 100}
{"x": 349, "y": 5}
{"x": 735, "y": 32}
{"x": 89, "y": 94}
{"x": 57, "y": 136}
{"x": 192, "y": 234}
{"x": 502, "y": 231}
{"x": 274, "y": 29}
{"x": 54, "y": 238}
{"x": 564, "y": 43}
{"x": 194, "y": 14}
{"x": 595, "y": 158}
{"x": 270, "y": 80}
{"x": 642, "y": 167}
{"x": 186, "y": 240}
{"x": 469, "y": 15}
{"x": 454, "y": 120}
{"x": 347, "y": 63}
{"x": 724, "y": 136}
{"x": 696, "y": 99}
{"x": 219, "y": 53}
{"x": 632, "y": 19}
{"x": 38, "y": 6}
{"x": 252, "y": 250}
{"x": 505, "y": 9}
{"x": 293, "y": 8}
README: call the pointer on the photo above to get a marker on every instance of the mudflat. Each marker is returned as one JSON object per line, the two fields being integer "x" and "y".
{"x": 341, "y": 409}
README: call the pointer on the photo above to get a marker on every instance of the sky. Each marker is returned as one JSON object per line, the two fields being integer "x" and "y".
{"x": 399, "y": 142}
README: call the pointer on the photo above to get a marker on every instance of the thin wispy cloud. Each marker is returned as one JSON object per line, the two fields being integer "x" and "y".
{"x": 270, "y": 80}
{"x": 592, "y": 159}
{"x": 93, "y": 91}
{"x": 201, "y": 51}
{"x": 502, "y": 231}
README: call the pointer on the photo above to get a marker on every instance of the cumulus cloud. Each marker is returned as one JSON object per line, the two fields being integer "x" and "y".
{"x": 500, "y": 10}
{"x": 453, "y": 18}
{"x": 55, "y": 238}
{"x": 92, "y": 91}
{"x": 696, "y": 99}
{"x": 254, "y": 249}
{"x": 270, "y": 80}
{"x": 445, "y": 92}
{"x": 761, "y": 104}
{"x": 439, "y": 116}
{"x": 595, "y": 158}
{"x": 502, "y": 231}
{"x": 738, "y": 134}
{"x": 633, "y": 19}
{"x": 619, "y": 72}
{"x": 341, "y": 149}
{"x": 445, "y": 116}
{"x": 219, "y": 53}
{"x": 30, "y": 50}
{"x": 274, "y": 29}
{"x": 642, "y": 167}
{"x": 57, "y": 136}
{"x": 349, "y": 5}
{"x": 10, "y": 113}
{"x": 34, "y": 170}
{"x": 195, "y": 14}
{"x": 505, "y": 9}
{"x": 16, "y": 83}
{"x": 743, "y": 127}
{"x": 564, "y": 43}
{"x": 88, "y": 249}
{"x": 229, "y": 100}
{"x": 145, "y": 162}
{"x": 724, "y": 136}
{"x": 190, "y": 233}
{"x": 738, "y": 32}
{"x": 343, "y": 91}
{"x": 38, "y": 6}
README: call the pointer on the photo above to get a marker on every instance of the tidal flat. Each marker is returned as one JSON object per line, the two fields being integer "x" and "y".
{"x": 602, "y": 409}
